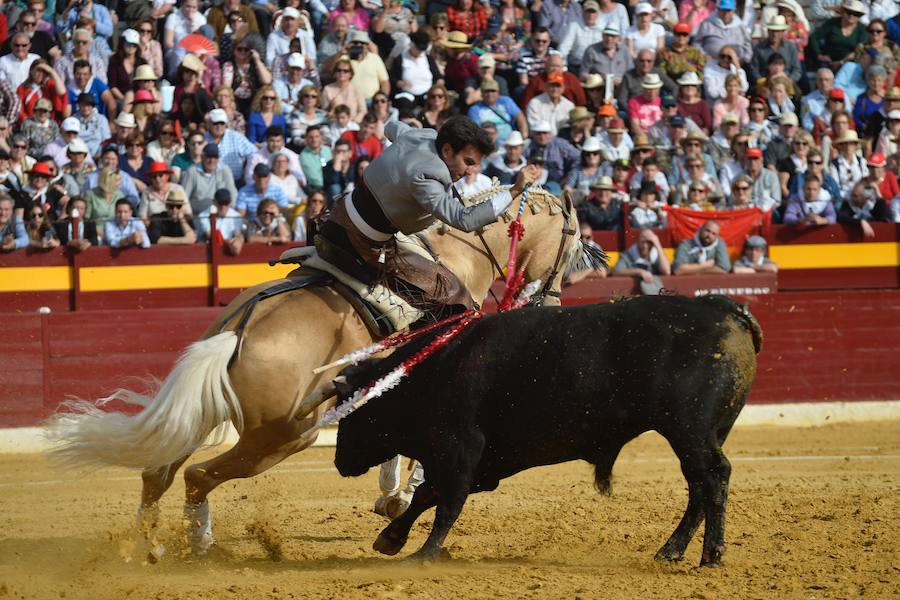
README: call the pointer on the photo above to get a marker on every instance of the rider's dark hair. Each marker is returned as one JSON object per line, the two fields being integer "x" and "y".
{"x": 460, "y": 132}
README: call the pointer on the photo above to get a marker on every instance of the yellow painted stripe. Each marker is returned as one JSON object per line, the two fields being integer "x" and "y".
{"x": 36, "y": 279}
{"x": 145, "y": 277}
{"x": 834, "y": 256}
{"x": 241, "y": 276}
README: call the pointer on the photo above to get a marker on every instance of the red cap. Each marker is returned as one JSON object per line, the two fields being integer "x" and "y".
{"x": 556, "y": 77}
{"x": 836, "y": 94}
{"x": 754, "y": 152}
{"x": 683, "y": 27}
{"x": 876, "y": 159}
{"x": 41, "y": 168}
{"x": 158, "y": 167}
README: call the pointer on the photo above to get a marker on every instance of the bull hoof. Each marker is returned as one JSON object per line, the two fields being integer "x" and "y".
{"x": 669, "y": 554}
{"x": 713, "y": 557}
{"x": 387, "y": 544}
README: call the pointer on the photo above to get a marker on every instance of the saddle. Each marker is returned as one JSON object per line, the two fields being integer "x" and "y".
{"x": 381, "y": 309}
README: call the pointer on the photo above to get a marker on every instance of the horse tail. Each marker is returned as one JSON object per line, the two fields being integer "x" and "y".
{"x": 196, "y": 399}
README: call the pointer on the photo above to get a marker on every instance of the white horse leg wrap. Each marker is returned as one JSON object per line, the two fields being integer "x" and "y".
{"x": 416, "y": 478}
{"x": 147, "y": 518}
{"x": 199, "y": 531}
{"x": 389, "y": 477}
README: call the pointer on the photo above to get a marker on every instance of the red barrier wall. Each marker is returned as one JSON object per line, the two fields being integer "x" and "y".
{"x": 818, "y": 346}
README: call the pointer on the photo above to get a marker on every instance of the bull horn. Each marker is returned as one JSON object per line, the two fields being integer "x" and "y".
{"x": 315, "y": 398}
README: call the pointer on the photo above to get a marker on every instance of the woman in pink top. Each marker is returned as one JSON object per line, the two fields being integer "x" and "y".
{"x": 356, "y": 15}
{"x": 695, "y": 11}
{"x": 733, "y": 102}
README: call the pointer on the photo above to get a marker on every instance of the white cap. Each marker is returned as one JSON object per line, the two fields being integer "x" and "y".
{"x": 894, "y": 115}
{"x": 296, "y": 60}
{"x": 77, "y": 145}
{"x": 788, "y": 118}
{"x": 514, "y": 139}
{"x": 126, "y": 119}
{"x": 290, "y": 12}
{"x": 542, "y": 127}
{"x": 592, "y": 144}
{"x": 642, "y": 8}
{"x": 217, "y": 115}
{"x": 359, "y": 36}
{"x": 131, "y": 37}
{"x": 71, "y": 125}
{"x": 487, "y": 60}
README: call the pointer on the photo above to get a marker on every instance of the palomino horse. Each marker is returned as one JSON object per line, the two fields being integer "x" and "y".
{"x": 259, "y": 385}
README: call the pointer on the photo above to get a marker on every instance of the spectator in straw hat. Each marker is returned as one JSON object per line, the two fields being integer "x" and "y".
{"x": 572, "y": 88}
{"x": 691, "y": 105}
{"x": 505, "y": 167}
{"x": 175, "y": 227}
{"x": 551, "y": 106}
{"x": 848, "y": 167}
{"x": 602, "y": 210}
{"x": 40, "y": 130}
{"x": 615, "y": 143}
{"x": 680, "y": 56}
{"x": 462, "y": 64}
{"x": 776, "y": 44}
{"x": 580, "y": 126}
{"x": 595, "y": 90}
{"x": 646, "y": 109}
{"x": 608, "y": 56}
{"x": 890, "y": 135}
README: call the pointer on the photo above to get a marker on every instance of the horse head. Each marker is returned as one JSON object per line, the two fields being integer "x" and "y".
{"x": 550, "y": 244}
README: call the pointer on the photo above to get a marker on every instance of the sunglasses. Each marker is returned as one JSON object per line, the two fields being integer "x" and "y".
{"x": 81, "y": 42}
{"x": 241, "y": 49}
{"x": 173, "y": 206}
{"x": 876, "y": 31}
{"x": 18, "y": 147}
{"x": 272, "y": 98}
{"x": 133, "y": 145}
{"x": 436, "y": 96}
{"x": 815, "y": 162}
{"x": 342, "y": 70}
{"x": 33, "y": 23}
{"x": 380, "y": 101}
{"x": 742, "y": 188}
{"x": 167, "y": 132}
{"x": 270, "y": 214}
{"x": 21, "y": 45}
{"x": 158, "y": 175}
{"x": 200, "y": 143}
{"x": 757, "y": 109}
{"x": 698, "y": 190}
{"x": 37, "y": 215}
{"x": 310, "y": 95}
{"x": 146, "y": 30}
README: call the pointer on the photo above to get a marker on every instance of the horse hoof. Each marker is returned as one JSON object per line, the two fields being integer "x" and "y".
{"x": 385, "y": 544}
{"x": 712, "y": 558}
{"x": 429, "y": 556}
{"x": 397, "y": 504}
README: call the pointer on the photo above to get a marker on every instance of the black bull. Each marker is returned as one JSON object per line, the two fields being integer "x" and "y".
{"x": 543, "y": 386}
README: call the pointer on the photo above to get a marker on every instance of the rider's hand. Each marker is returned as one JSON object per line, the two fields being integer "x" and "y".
{"x": 527, "y": 176}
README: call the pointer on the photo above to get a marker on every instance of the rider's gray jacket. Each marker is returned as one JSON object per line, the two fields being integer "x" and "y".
{"x": 412, "y": 185}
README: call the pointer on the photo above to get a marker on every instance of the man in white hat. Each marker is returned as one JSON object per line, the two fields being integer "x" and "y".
{"x": 646, "y": 110}
{"x": 505, "y": 168}
{"x": 234, "y": 147}
{"x": 279, "y": 41}
{"x": 633, "y": 80}
{"x": 607, "y": 57}
{"x": 581, "y": 35}
{"x": 288, "y": 89}
{"x": 125, "y": 126}
{"x": 776, "y": 44}
{"x": 77, "y": 171}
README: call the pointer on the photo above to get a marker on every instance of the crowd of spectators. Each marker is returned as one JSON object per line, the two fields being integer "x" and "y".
{"x": 134, "y": 122}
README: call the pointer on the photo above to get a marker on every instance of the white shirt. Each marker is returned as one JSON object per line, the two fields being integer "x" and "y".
{"x": 231, "y": 224}
{"x": 177, "y": 22}
{"x": 417, "y": 72}
{"x": 279, "y": 43}
{"x": 714, "y": 80}
{"x": 15, "y": 71}
{"x": 540, "y": 108}
{"x": 645, "y": 41}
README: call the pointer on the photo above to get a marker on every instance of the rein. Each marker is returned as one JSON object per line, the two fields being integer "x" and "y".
{"x": 566, "y": 233}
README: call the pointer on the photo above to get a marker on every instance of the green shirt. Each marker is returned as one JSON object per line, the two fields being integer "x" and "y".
{"x": 829, "y": 40}
{"x": 312, "y": 164}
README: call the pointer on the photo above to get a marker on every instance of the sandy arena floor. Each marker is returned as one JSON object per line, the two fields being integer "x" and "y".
{"x": 812, "y": 514}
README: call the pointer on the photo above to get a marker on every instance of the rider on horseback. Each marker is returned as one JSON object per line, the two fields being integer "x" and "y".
{"x": 405, "y": 189}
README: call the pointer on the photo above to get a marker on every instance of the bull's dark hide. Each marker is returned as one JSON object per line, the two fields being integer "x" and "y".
{"x": 541, "y": 386}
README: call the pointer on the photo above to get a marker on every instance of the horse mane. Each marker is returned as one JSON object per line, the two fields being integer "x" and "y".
{"x": 536, "y": 199}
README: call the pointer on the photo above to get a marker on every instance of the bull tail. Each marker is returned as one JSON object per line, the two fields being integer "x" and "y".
{"x": 743, "y": 314}
{"x": 195, "y": 399}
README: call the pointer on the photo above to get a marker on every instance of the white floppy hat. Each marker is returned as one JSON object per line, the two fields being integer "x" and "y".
{"x": 592, "y": 144}
{"x": 594, "y": 80}
{"x": 651, "y": 81}
{"x": 542, "y": 127}
{"x": 643, "y": 8}
{"x": 77, "y": 146}
{"x": 126, "y": 120}
{"x": 514, "y": 139}
{"x": 689, "y": 78}
{"x": 778, "y": 23}
{"x": 849, "y": 136}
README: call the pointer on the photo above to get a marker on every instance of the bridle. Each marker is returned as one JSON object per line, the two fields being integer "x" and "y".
{"x": 538, "y": 298}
